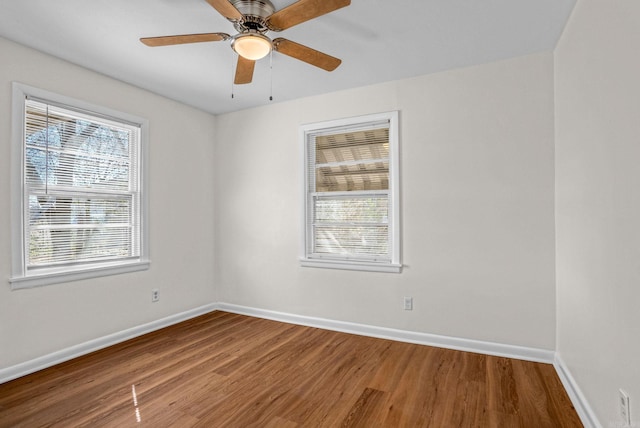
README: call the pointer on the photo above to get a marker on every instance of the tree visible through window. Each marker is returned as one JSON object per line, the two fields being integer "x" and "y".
{"x": 82, "y": 199}
{"x": 77, "y": 179}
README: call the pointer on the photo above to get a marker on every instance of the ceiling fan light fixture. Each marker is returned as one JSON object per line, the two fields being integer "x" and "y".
{"x": 253, "y": 46}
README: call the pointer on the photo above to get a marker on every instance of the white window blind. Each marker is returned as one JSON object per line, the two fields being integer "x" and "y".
{"x": 81, "y": 187}
{"x": 79, "y": 202}
{"x": 350, "y": 205}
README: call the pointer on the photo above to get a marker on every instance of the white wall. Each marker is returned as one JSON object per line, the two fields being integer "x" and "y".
{"x": 39, "y": 321}
{"x": 477, "y": 162}
{"x": 598, "y": 202}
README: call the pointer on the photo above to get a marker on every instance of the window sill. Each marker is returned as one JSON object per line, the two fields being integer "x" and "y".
{"x": 352, "y": 265}
{"x": 53, "y": 277}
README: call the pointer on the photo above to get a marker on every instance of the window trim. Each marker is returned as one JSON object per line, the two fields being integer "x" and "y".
{"x": 395, "y": 265}
{"x": 19, "y": 277}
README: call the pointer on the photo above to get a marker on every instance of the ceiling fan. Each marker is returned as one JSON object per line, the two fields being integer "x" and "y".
{"x": 253, "y": 19}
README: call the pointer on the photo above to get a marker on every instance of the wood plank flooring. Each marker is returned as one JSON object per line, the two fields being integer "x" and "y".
{"x": 227, "y": 370}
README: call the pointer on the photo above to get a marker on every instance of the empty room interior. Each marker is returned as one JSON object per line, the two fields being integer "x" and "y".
{"x": 412, "y": 213}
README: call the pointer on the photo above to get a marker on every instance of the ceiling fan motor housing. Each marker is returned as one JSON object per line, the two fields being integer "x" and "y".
{"x": 255, "y": 14}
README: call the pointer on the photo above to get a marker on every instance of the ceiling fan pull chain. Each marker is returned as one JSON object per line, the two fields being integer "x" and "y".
{"x": 271, "y": 75}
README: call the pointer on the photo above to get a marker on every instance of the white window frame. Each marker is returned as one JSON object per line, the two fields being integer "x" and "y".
{"x": 20, "y": 278}
{"x": 307, "y": 258}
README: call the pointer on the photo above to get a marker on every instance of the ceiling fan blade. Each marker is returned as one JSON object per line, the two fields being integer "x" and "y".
{"x": 184, "y": 38}
{"x": 226, "y": 9}
{"x": 244, "y": 70}
{"x": 306, "y": 54}
{"x": 303, "y": 10}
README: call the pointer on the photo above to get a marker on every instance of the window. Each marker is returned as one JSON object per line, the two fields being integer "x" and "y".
{"x": 351, "y": 215}
{"x": 79, "y": 203}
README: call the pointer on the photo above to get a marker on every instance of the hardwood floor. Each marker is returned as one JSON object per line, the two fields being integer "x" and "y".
{"x": 227, "y": 370}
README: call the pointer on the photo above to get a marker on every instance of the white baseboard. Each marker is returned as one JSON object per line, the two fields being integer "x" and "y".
{"x": 469, "y": 345}
{"x": 586, "y": 413}
{"x": 67, "y": 354}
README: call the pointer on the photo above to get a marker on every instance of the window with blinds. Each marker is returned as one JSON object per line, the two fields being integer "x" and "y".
{"x": 351, "y": 213}
{"x": 81, "y": 189}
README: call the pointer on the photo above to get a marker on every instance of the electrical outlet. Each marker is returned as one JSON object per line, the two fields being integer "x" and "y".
{"x": 624, "y": 407}
{"x": 408, "y": 303}
{"x": 155, "y": 295}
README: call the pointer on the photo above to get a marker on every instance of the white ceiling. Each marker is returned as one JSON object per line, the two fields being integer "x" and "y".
{"x": 377, "y": 40}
